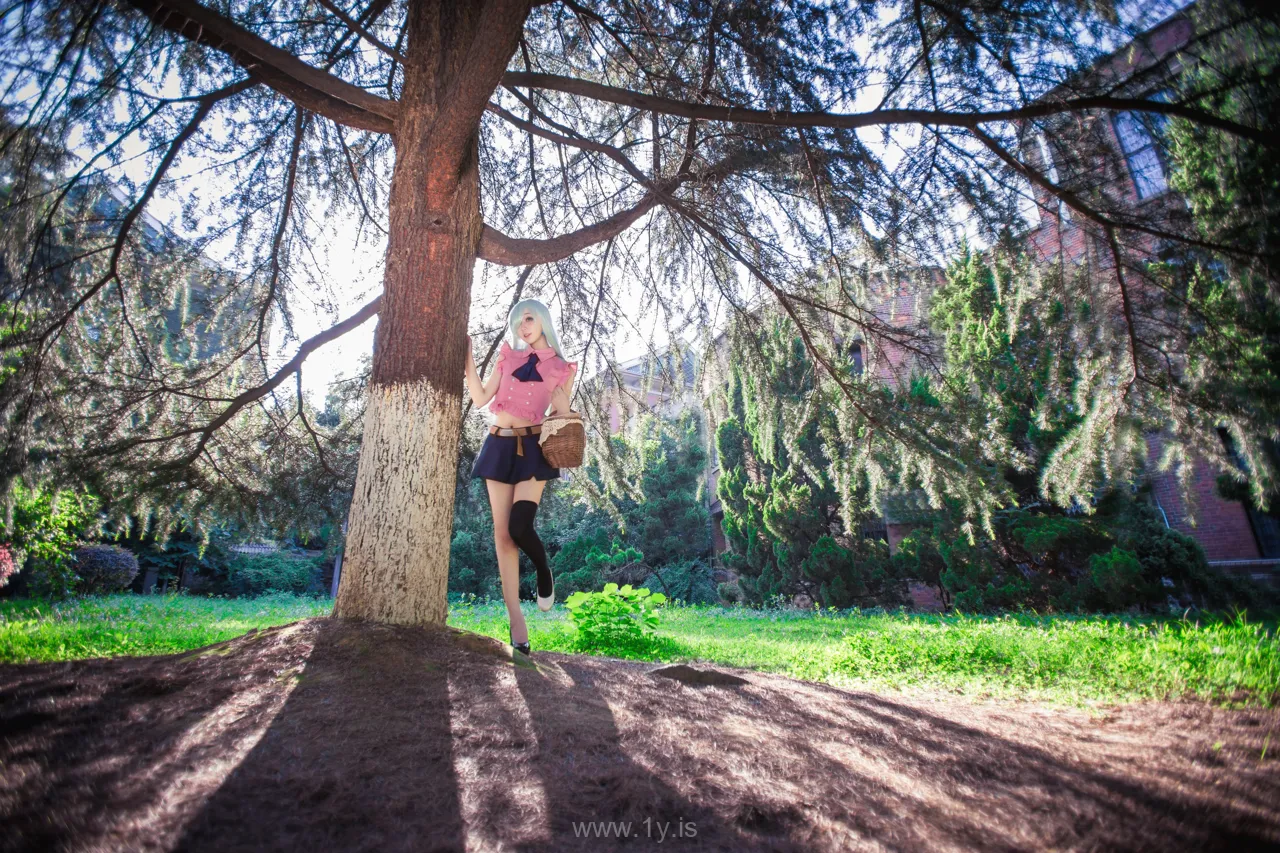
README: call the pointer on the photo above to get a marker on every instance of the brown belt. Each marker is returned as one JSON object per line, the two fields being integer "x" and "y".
{"x": 518, "y": 432}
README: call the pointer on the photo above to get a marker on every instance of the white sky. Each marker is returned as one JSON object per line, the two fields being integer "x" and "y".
{"x": 352, "y": 275}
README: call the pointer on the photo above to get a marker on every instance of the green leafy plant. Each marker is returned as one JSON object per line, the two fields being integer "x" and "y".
{"x": 614, "y": 618}
{"x": 44, "y": 529}
{"x": 278, "y": 572}
{"x": 1118, "y": 576}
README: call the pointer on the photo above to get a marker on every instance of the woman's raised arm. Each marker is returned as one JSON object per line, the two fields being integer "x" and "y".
{"x": 481, "y": 392}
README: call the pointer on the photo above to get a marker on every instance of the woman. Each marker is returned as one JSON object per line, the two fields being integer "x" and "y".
{"x": 526, "y": 378}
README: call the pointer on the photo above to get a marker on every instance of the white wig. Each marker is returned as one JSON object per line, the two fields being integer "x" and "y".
{"x": 540, "y": 311}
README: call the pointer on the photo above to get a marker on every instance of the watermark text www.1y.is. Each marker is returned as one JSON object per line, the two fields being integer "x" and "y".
{"x": 656, "y": 830}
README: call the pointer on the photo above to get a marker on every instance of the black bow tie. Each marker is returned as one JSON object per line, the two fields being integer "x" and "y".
{"x": 529, "y": 371}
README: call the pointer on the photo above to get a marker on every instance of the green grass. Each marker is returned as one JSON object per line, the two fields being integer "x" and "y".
{"x": 109, "y": 625}
{"x": 1072, "y": 659}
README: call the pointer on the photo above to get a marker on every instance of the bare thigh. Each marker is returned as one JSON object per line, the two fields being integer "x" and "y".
{"x": 529, "y": 490}
{"x": 500, "y": 500}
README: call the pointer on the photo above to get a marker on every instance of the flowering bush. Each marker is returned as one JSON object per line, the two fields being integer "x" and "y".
{"x": 8, "y": 563}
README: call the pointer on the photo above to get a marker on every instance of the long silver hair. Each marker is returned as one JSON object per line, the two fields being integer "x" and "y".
{"x": 540, "y": 311}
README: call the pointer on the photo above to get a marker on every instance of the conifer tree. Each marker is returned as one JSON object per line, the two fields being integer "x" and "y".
{"x": 706, "y": 154}
{"x": 1008, "y": 354}
{"x": 789, "y": 529}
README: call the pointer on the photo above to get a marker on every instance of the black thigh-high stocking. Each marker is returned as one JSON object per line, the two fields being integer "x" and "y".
{"x": 521, "y": 529}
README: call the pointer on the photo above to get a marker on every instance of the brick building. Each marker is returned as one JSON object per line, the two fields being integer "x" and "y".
{"x": 662, "y": 383}
{"x": 1119, "y": 157}
{"x": 1116, "y": 155}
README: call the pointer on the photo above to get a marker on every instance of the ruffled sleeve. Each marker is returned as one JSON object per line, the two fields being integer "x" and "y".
{"x": 506, "y": 358}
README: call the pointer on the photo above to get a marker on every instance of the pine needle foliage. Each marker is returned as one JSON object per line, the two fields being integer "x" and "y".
{"x": 738, "y": 144}
{"x": 791, "y": 529}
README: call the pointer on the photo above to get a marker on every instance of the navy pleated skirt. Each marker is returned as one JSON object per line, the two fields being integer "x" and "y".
{"x": 497, "y": 460}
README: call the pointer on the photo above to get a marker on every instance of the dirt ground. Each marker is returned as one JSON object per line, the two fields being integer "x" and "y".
{"x": 323, "y": 736}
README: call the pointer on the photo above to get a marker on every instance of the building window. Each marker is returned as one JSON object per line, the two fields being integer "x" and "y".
{"x": 855, "y": 356}
{"x": 1139, "y": 147}
{"x": 1051, "y": 172}
{"x": 1028, "y": 208}
{"x": 1046, "y": 159}
{"x": 1266, "y": 525}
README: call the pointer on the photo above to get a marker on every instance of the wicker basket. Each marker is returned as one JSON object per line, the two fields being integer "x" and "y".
{"x": 563, "y": 440}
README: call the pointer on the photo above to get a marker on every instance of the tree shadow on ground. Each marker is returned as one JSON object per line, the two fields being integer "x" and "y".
{"x": 327, "y": 735}
{"x": 96, "y": 751}
{"x": 359, "y": 756}
{"x": 436, "y": 739}
{"x": 593, "y": 784}
{"x": 780, "y": 764}
{"x": 977, "y": 777}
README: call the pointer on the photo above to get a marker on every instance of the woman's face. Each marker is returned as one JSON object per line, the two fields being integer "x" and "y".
{"x": 530, "y": 328}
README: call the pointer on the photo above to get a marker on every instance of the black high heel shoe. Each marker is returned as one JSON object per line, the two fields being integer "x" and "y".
{"x": 523, "y": 648}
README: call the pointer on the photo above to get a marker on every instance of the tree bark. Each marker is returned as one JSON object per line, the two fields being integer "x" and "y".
{"x": 396, "y": 564}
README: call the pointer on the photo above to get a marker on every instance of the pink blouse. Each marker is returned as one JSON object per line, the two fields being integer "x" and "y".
{"x": 529, "y": 400}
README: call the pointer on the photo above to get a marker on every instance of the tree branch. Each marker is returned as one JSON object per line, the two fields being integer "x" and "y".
{"x": 1073, "y": 201}
{"x": 873, "y": 118}
{"x": 113, "y": 264}
{"x": 308, "y": 87}
{"x": 315, "y": 438}
{"x": 355, "y": 180}
{"x": 595, "y": 314}
{"x": 355, "y": 27}
{"x": 1126, "y": 306}
{"x": 250, "y": 395}
{"x": 282, "y": 226}
{"x": 368, "y": 18}
{"x": 498, "y": 248}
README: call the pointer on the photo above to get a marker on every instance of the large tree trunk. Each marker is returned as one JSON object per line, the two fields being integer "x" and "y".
{"x": 396, "y": 565}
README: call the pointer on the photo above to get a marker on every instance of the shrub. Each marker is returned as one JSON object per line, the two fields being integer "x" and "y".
{"x": 689, "y": 581}
{"x": 973, "y": 577}
{"x": 1118, "y": 576}
{"x": 185, "y": 560}
{"x": 1167, "y": 553}
{"x": 585, "y": 562}
{"x": 104, "y": 568}
{"x": 616, "y": 618}
{"x": 44, "y": 529}
{"x": 255, "y": 574}
{"x": 1120, "y": 557}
